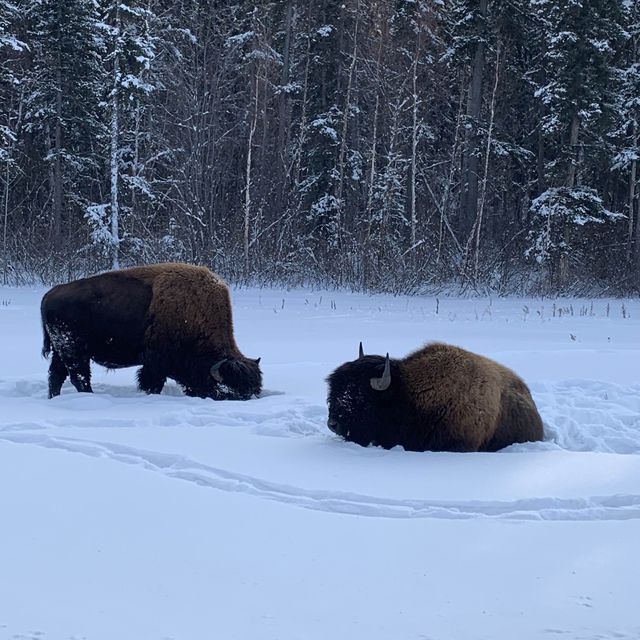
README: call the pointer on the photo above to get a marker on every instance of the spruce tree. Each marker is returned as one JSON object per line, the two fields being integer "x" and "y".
{"x": 62, "y": 105}
{"x": 577, "y": 91}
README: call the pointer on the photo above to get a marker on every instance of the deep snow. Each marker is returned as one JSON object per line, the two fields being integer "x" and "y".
{"x": 134, "y": 517}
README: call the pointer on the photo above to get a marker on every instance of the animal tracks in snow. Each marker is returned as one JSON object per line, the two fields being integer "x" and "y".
{"x": 615, "y": 507}
{"x": 579, "y": 415}
{"x": 117, "y": 406}
{"x": 584, "y": 415}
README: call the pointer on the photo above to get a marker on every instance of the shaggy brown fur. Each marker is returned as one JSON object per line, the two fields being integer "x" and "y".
{"x": 441, "y": 398}
{"x": 173, "y": 319}
{"x": 177, "y": 300}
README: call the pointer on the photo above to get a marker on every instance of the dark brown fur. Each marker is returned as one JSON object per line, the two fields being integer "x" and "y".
{"x": 441, "y": 398}
{"x": 173, "y": 319}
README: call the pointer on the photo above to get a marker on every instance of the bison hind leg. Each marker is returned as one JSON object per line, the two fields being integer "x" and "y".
{"x": 519, "y": 421}
{"x": 57, "y": 375}
{"x": 74, "y": 355}
{"x": 80, "y": 375}
{"x": 150, "y": 380}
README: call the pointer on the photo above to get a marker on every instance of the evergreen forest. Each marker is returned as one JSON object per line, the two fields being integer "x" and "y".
{"x": 402, "y": 146}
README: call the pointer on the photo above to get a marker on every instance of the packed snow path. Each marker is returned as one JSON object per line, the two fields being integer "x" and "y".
{"x": 127, "y": 516}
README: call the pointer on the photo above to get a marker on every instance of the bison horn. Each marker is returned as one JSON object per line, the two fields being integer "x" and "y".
{"x": 382, "y": 384}
{"x": 215, "y": 370}
{"x": 360, "y": 351}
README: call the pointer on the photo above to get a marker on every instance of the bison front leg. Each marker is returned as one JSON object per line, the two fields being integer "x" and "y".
{"x": 151, "y": 377}
{"x": 194, "y": 392}
{"x": 57, "y": 375}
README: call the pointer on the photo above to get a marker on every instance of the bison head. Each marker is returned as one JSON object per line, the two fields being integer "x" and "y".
{"x": 236, "y": 378}
{"x": 366, "y": 401}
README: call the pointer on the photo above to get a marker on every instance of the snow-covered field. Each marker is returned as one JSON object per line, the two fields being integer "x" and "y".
{"x": 127, "y": 517}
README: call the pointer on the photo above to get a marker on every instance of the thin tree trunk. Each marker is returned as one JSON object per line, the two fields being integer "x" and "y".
{"x": 345, "y": 122}
{"x": 563, "y": 263}
{"x": 632, "y": 198}
{"x": 634, "y": 170}
{"x": 5, "y": 225}
{"x": 374, "y": 147}
{"x": 540, "y": 165}
{"x": 283, "y": 123}
{"x": 302, "y": 135}
{"x": 115, "y": 135}
{"x": 443, "y": 208}
{"x": 414, "y": 143}
{"x": 136, "y": 159}
{"x": 632, "y": 221}
{"x": 471, "y": 156}
{"x": 247, "y": 189}
{"x": 323, "y": 69}
{"x": 57, "y": 157}
{"x": 139, "y": 112}
{"x": 573, "y": 151}
{"x": 487, "y": 153}
{"x": 293, "y": 172}
{"x": 632, "y": 194}
{"x": 282, "y": 173}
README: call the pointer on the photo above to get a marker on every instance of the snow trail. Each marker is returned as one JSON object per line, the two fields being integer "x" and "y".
{"x": 616, "y": 507}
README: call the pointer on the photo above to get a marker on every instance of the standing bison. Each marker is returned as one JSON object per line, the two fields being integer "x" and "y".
{"x": 173, "y": 319}
{"x": 440, "y": 398}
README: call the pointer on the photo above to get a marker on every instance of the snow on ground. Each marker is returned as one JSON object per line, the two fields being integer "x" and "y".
{"x": 127, "y": 517}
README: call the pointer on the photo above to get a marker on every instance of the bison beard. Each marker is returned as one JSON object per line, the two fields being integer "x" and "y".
{"x": 440, "y": 398}
{"x": 173, "y": 319}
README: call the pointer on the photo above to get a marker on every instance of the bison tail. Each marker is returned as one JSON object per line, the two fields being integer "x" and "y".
{"x": 46, "y": 340}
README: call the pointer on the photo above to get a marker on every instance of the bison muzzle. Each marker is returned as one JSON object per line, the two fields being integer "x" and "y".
{"x": 440, "y": 398}
{"x": 173, "y": 319}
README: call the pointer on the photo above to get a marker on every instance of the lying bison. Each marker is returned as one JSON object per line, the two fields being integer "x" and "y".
{"x": 440, "y": 398}
{"x": 173, "y": 319}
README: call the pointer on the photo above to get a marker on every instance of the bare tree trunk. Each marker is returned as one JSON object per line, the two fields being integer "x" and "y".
{"x": 283, "y": 120}
{"x": 573, "y": 150}
{"x": 414, "y": 142}
{"x": 563, "y": 263}
{"x": 302, "y": 133}
{"x": 345, "y": 122}
{"x": 115, "y": 174}
{"x": 115, "y": 135}
{"x": 136, "y": 159}
{"x": 540, "y": 177}
{"x": 632, "y": 195}
{"x": 374, "y": 147}
{"x": 7, "y": 185}
{"x": 5, "y": 224}
{"x": 444, "y": 205}
{"x": 635, "y": 249}
{"x": 487, "y": 153}
{"x": 57, "y": 158}
{"x": 247, "y": 189}
{"x": 139, "y": 112}
{"x": 293, "y": 171}
{"x": 469, "y": 201}
{"x": 632, "y": 199}
{"x": 632, "y": 206}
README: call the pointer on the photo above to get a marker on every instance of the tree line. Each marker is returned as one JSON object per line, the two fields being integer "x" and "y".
{"x": 393, "y": 145}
